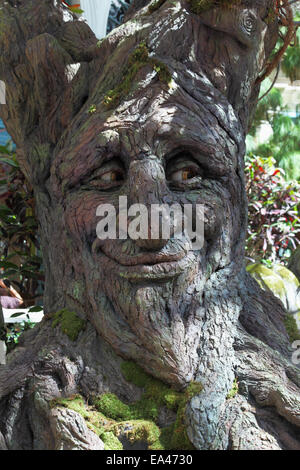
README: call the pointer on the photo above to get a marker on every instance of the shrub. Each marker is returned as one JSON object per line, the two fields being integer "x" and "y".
{"x": 20, "y": 260}
{"x": 274, "y": 223}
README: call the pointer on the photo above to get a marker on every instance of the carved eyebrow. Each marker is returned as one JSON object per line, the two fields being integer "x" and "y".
{"x": 210, "y": 154}
{"x": 82, "y": 165}
{"x": 213, "y": 164}
{"x": 90, "y": 154}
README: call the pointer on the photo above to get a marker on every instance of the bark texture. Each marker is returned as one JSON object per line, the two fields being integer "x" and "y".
{"x": 169, "y": 91}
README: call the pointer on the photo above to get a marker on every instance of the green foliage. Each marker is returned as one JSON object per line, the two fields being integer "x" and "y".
{"x": 94, "y": 420}
{"x": 70, "y": 323}
{"x": 109, "y": 417}
{"x": 72, "y": 8}
{"x": 19, "y": 245}
{"x": 92, "y": 109}
{"x": 290, "y": 163}
{"x": 267, "y": 107}
{"x": 291, "y": 60}
{"x": 234, "y": 390}
{"x": 146, "y": 410}
{"x": 274, "y": 222}
{"x": 284, "y": 144}
{"x": 14, "y": 331}
{"x": 291, "y": 328}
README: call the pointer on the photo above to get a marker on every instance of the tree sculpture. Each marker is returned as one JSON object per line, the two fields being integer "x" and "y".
{"x": 157, "y": 112}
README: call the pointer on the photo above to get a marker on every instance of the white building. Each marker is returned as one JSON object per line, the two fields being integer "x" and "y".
{"x": 95, "y": 12}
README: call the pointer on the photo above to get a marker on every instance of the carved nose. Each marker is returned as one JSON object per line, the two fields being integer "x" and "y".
{"x": 151, "y": 244}
{"x": 147, "y": 186}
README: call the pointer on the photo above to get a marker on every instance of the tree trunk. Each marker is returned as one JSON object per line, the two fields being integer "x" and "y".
{"x": 158, "y": 112}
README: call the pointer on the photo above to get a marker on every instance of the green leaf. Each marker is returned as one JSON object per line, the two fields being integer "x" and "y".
{"x": 8, "y": 265}
{"x": 9, "y": 161}
{"x": 17, "y": 314}
{"x": 36, "y": 308}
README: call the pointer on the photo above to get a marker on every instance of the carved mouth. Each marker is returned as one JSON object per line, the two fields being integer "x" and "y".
{"x": 164, "y": 265}
{"x": 150, "y": 272}
{"x": 158, "y": 271}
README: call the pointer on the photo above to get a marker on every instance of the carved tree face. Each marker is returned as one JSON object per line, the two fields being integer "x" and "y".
{"x": 146, "y": 294}
{"x": 182, "y": 144}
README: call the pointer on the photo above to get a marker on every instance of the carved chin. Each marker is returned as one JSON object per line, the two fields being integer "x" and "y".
{"x": 145, "y": 312}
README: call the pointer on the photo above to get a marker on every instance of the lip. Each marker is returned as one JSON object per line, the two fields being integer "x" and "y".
{"x": 144, "y": 266}
{"x": 143, "y": 258}
{"x": 158, "y": 271}
{"x": 161, "y": 271}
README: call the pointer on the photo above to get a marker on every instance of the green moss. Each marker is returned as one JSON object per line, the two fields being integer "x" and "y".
{"x": 70, "y": 323}
{"x": 164, "y": 440}
{"x": 155, "y": 6}
{"x": 109, "y": 417}
{"x": 77, "y": 290}
{"x": 154, "y": 390}
{"x": 111, "y": 442}
{"x": 291, "y": 328}
{"x": 162, "y": 71}
{"x": 286, "y": 275}
{"x": 234, "y": 390}
{"x": 75, "y": 403}
{"x": 146, "y": 410}
{"x": 110, "y": 405}
{"x": 95, "y": 421}
{"x": 200, "y": 6}
{"x": 284, "y": 285}
{"x": 138, "y": 430}
{"x": 138, "y": 59}
{"x": 267, "y": 279}
{"x": 92, "y": 109}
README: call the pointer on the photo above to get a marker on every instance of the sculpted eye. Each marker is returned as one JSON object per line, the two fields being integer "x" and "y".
{"x": 183, "y": 168}
{"x": 184, "y": 174}
{"x": 110, "y": 175}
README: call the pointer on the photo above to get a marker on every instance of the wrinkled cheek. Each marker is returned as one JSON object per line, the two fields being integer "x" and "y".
{"x": 214, "y": 220}
{"x": 212, "y": 214}
{"x": 80, "y": 216}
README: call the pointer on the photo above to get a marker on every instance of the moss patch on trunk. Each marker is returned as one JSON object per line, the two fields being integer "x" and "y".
{"x": 155, "y": 395}
{"x": 111, "y": 418}
{"x": 234, "y": 390}
{"x": 138, "y": 59}
{"x": 70, "y": 323}
{"x": 155, "y": 6}
{"x": 291, "y": 328}
{"x": 95, "y": 421}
